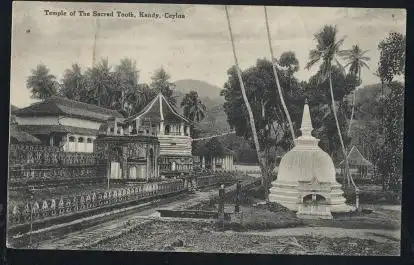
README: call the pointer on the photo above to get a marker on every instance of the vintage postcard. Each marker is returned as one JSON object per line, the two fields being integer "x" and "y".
{"x": 206, "y": 128}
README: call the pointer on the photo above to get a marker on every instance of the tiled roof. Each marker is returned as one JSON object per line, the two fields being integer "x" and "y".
{"x": 62, "y": 106}
{"x": 153, "y": 111}
{"x": 22, "y": 137}
{"x": 47, "y": 129}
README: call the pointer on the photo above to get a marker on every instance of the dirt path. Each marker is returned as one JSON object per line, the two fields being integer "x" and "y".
{"x": 331, "y": 232}
{"x": 113, "y": 228}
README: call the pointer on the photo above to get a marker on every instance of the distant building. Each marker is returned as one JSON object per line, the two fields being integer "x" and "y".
{"x": 69, "y": 124}
{"x": 213, "y": 155}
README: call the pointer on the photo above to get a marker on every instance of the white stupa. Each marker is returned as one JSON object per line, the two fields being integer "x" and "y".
{"x": 307, "y": 177}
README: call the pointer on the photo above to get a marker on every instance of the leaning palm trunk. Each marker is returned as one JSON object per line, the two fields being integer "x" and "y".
{"x": 352, "y": 113}
{"x": 277, "y": 78}
{"x": 261, "y": 159}
{"x": 339, "y": 132}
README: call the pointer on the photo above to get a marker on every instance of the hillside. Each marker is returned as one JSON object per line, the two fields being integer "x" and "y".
{"x": 205, "y": 90}
{"x": 215, "y": 120}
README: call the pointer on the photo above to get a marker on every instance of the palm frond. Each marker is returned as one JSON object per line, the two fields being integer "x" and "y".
{"x": 314, "y": 57}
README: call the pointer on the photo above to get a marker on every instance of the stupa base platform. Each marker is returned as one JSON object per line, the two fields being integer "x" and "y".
{"x": 287, "y": 194}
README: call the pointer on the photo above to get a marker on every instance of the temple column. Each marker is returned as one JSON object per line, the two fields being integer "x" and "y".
{"x": 162, "y": 128}
{"x": 137, "y": 124}
{"x": 51, "y": 141}
{"x": 213, "y": 163}
{"x": 182, "y": 129}
{"x": 115, "y": 127}
{"x": 203, "y": 162}
{"x": 124, "y": 164}
{"x": 122, "y": 130}
{"x": 76, "y": 143}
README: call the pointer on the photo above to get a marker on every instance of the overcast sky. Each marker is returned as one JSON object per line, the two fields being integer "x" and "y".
{"x": 197, "y": 47}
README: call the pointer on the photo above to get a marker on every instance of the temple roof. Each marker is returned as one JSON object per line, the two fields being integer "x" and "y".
{"x": 22, "y": 137}
{"x": 355, "y": 158}
{"x": 159, "y": 110}
{"x": 63, "y": 106}
{"x": 47, "y": 129}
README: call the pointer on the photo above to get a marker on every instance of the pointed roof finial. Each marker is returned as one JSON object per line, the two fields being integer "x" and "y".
{"x": 306, "y": 127}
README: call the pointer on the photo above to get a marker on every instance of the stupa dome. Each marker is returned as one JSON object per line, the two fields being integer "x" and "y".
{"x": 306, "y": 160}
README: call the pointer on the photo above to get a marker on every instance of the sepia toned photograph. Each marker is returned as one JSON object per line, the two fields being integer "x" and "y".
{"x": 206, "y": 128}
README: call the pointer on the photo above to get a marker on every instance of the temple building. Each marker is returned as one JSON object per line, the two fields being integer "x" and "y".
{"x": 58, "y": 121}
{"x": 172, "y": 131}
{"x": 306, "y": 180}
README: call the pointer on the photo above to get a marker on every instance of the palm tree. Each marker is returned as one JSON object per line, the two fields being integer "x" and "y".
{"x": 327, "y": 51}
{"x": 73, "y": 84}
{"x": 356, "y": 61}
{"x": 41, "y": 83}
{"x": 248, "y": 107}
{"x": 194, "y": 109}
{"x": 277, "y": 78}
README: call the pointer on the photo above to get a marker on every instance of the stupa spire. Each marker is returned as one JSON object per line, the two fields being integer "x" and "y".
{"x": 306, "y": 127}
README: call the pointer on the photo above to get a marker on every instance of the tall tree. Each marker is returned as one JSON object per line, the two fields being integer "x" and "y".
{"x": 41, "y": 83}
{"x": 357, "y": 60}
{"x": 249, "y": 109}
{"x": 139, "y": 98}
{"x": 100, "y": 82}
{"x": 328, "y": 48}
{"x": 73, "y": 84}
{"x": 390, "y": 162}
{"x": 392, "y": 56}
{"x": 193, "y": 107}
{"x": 276, "y": 76}
{"x": 126, "y": 78}
{"x": 161, "y": 83}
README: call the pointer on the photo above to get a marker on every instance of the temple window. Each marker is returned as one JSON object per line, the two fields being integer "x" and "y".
{"x": 89, "y": 140}
{"x": 112, "y": 130}
{"x": 81, "y": 140}
{"x": 71, "y": 139}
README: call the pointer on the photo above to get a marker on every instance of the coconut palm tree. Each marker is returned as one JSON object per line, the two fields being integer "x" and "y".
{"x": 41, "y": 83}
{"x": 328, "y": 49}
{"x": 277, "y": 78}
{"x": 194, "y": 108}
{"x": 248, "y": 107}
{"x": 356, "y": 59}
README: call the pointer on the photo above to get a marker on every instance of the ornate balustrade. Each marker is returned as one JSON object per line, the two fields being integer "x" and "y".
{"x": 56, "y": 207}
{"x": 41, "y": 156}
{"x": 29, "y": 163}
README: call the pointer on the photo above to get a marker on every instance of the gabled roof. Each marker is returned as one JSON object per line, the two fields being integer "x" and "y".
{"x": 63, "y": 106}
{"x": 159, "y": 110}
{"x": 355, "y": 158}
{"x": 13, "y": 108}
{"x": 17, "y": 136}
